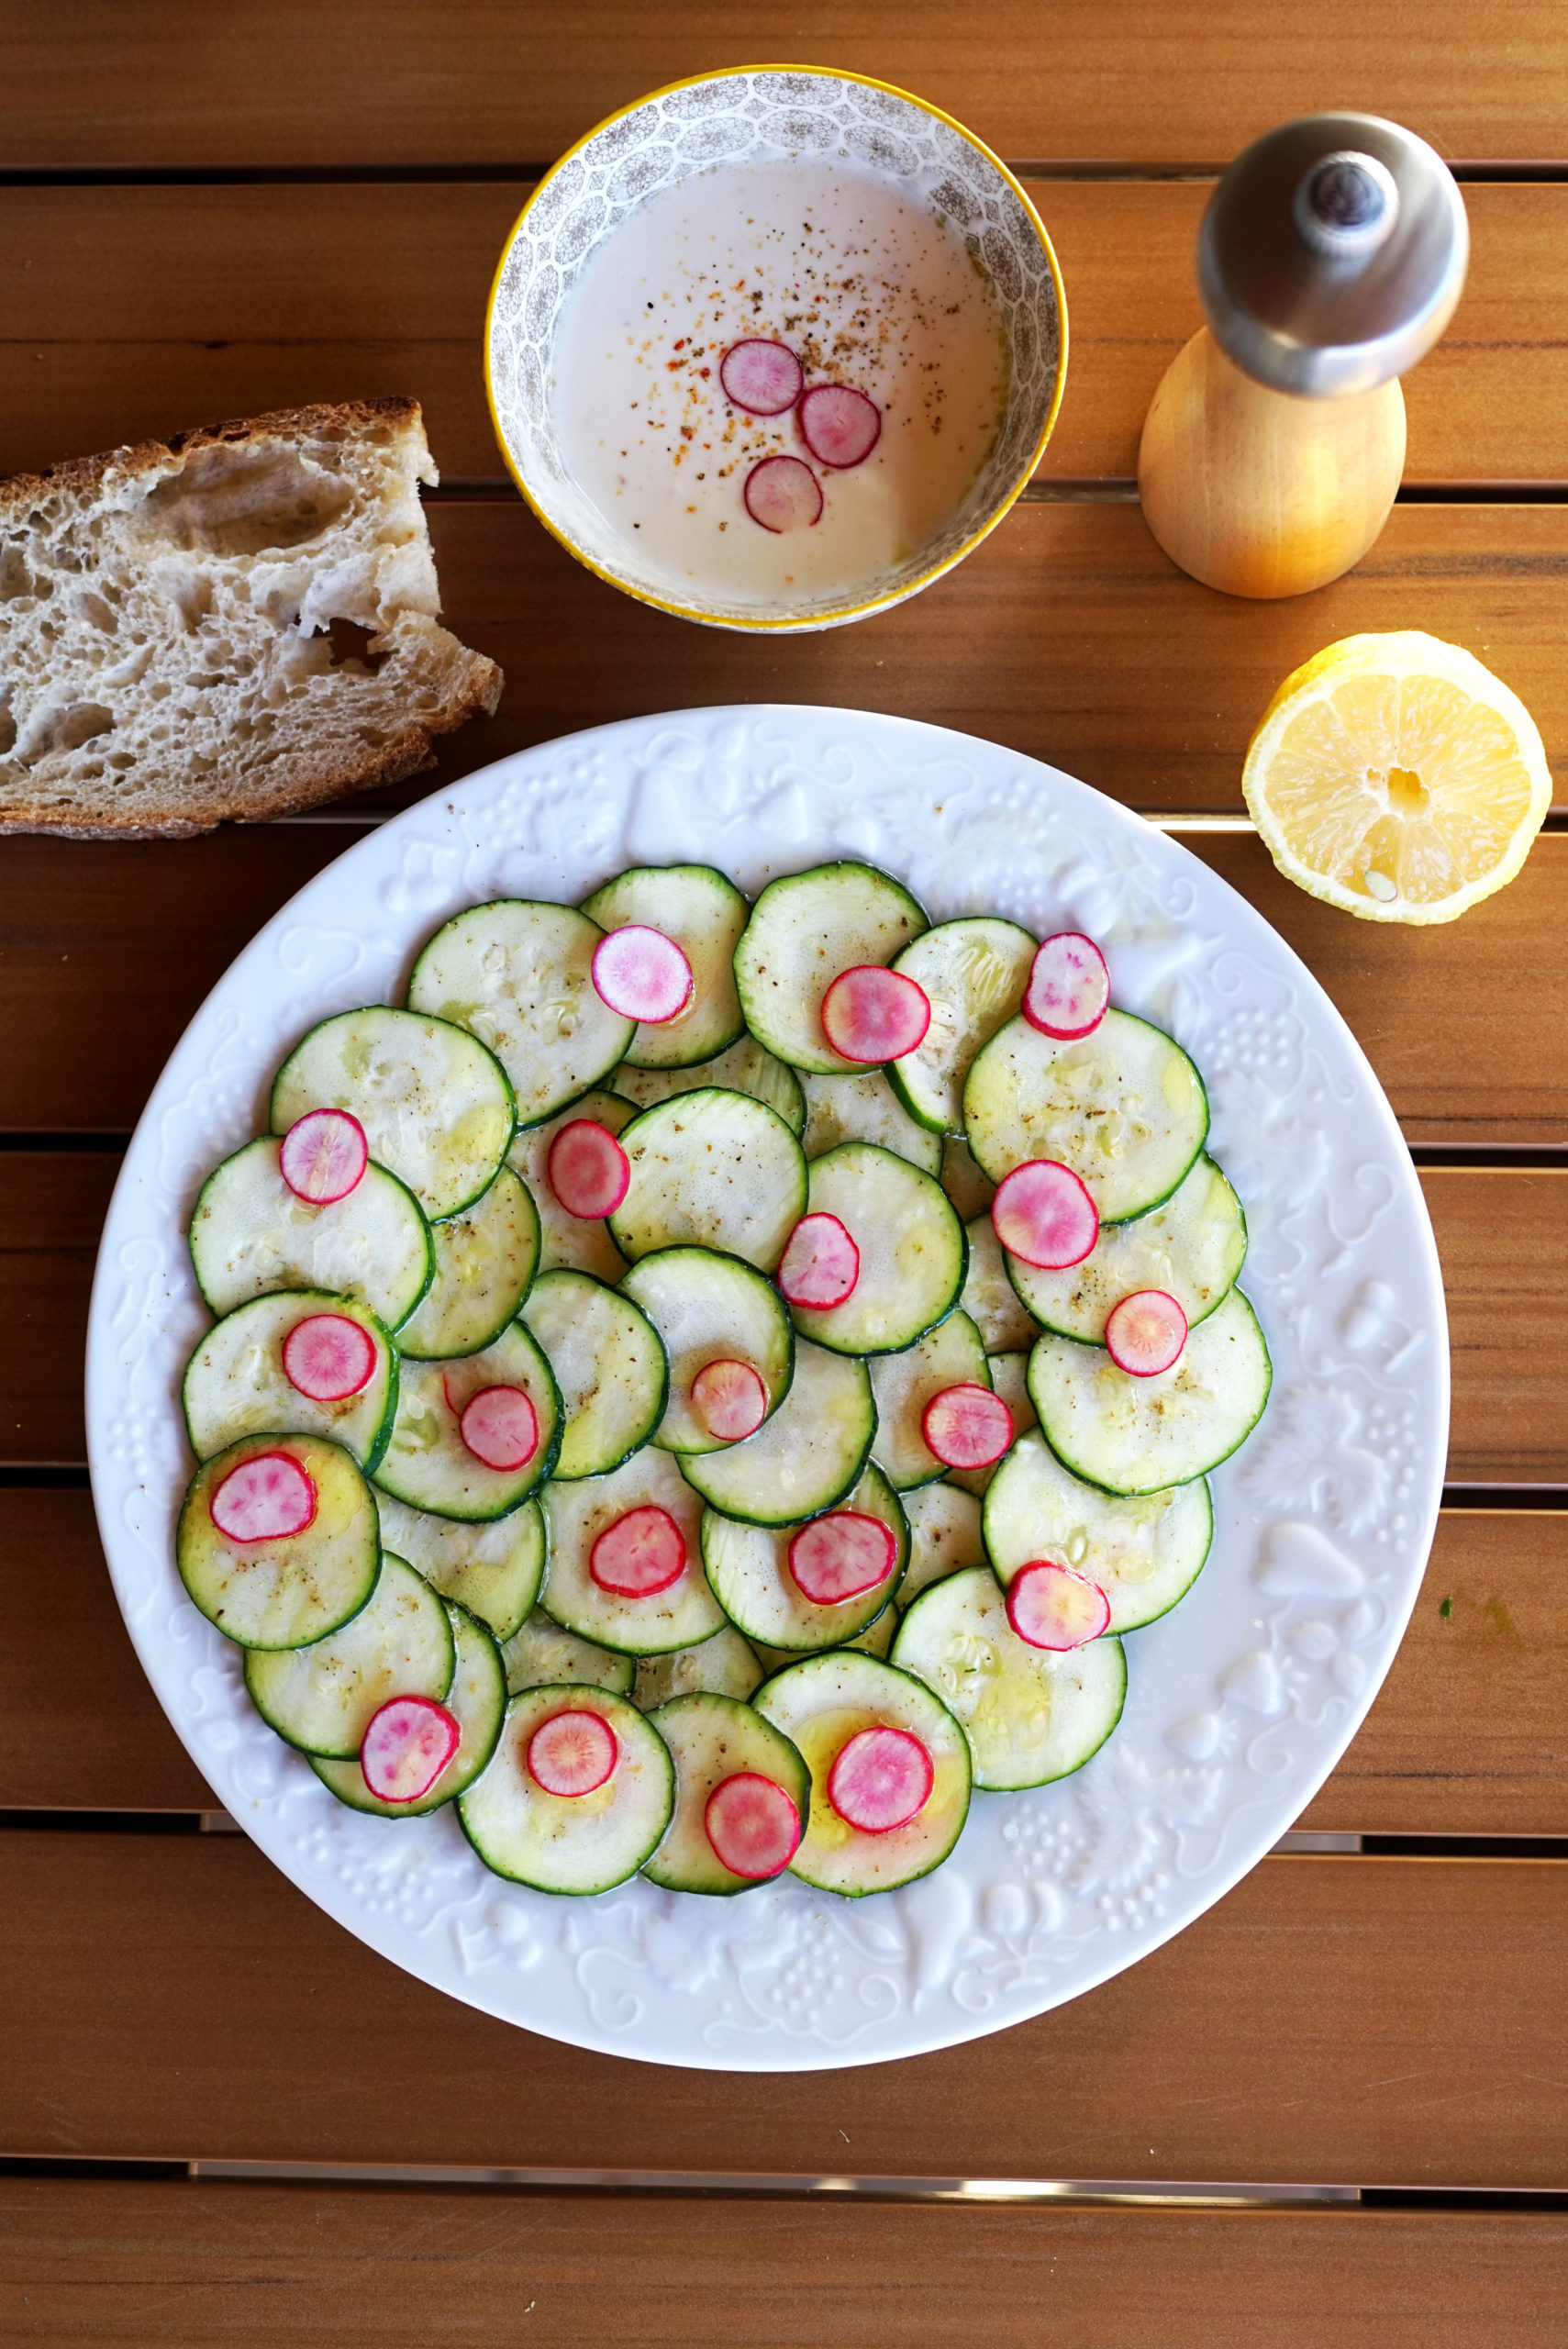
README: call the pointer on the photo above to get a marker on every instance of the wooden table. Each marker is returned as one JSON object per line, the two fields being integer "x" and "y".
{"x": 212, "y": 209}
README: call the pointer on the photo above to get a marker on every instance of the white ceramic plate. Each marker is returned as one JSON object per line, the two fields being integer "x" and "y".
{"x": 1240, "y": 1702}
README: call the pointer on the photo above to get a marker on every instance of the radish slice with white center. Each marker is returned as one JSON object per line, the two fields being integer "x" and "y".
{"x": 642, "y": 974}
{"x": 837, "y": 1556}
{"x": 1042, "y": 1213}
{"x": 589, "y": 1172}
{"x": 407, "y": 1745}
{"x": 752, "y": 1825}
{"x": 839, "y": 425}
{"x": 729, "y": 1400}
{"x": 1145, "y": 1332}
{"x": 820, "y": 1264}
{"x": 881, "y": 1779}
{"x": 870, "y": 1013}
{"x": 1055, "y": 1606}
{"x": 573, "y": 1754}
{"x": 967, "y": 1426}
{"x": 1069, "y": 986}
{"x": 323, "y": 1156}
{"x": 783, "y": 495}
{"x": 500, "y": 1427}
{"x": 266, "y": 1498}
{"x": 642, "y": 1552}
{"x": 761, "y": 376}
{"x": 329, "y": 1357}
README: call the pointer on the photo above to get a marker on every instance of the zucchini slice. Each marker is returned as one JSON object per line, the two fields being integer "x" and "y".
{"x": 805, "y": 1457}
{"x": 429, "y": 1465}
{"x": 286, "y": 1592}
{"x": 944, "y": 1538}
{"x": 494, "y": 1570}
{"x": 485, "y": 1260}
{"x": 710, "y": 1170}
{"x": 903, "y": 1383}
{"x": 575, "y": 1516}
{"x": 1192, "y": 1248}
{"x": 723, "y": 1666}
{"x": 1124, "y": 1107}
{"x": 864, "y": 1109}
{"x": 988, "y": 1296}
{"x": 748, "y": 1571}
{"x": 970, "y": 1191}
{"x": 322, "y": 1699}
{"x": 746, "y": 1068}
{"x": 609, "y": 1366}
{"x": 518, "y": 974}
{"x": 712, "y": 1738}
{"x": 708, "y": 1308}
{"x": 571, "y": 1242}
{"x": 435, "y": 1105}
{"x": 235, "y": 1382}
{"x": 1010, "y": 1380}
{"x": 477, "y": 1702}
{"x": 704, "y": 914}
{"x": 1145, "y": 1553}
{"x": 804, "y": 929}
{"x": 974, "y": 973}
{"x": 912, "y": 1249}
{"x": 541, "y": 1652}
{"x": 876, "y": 1640}
{"x": 571, "y": 1843}
{"x": 250, "y": 1234}
{"x": 1030, "y": 1715}
{"x": 819, "y": 1705}
{"x": 1139, "y": 1435}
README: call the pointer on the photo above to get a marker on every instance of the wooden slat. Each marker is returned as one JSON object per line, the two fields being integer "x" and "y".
{"x": 1182, "y": 80}
{"x": 140, "y": 310}
{"x": 192, "y": 2266}
{"x": 51, "y": 1211}
{"x": 1331, "y": 2021}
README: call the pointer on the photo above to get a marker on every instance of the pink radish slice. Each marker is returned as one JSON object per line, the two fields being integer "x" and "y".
{"x": 763, "y": 377}
{"x": 266, "y": 1498}
{"x": 323, "y": 1156}
{"x": 1055, "y": 1606}
{"x": 1042, "y": 1213}
{"x": 881, "y": 1779}
{"x": 839, "y": 1557}
{"x": 752, "y": 1825}
{"x": 870, "y": 1013}
{"x": 641, "y": 1553}
{"x": 573, "y": 1754}
{"x": 406, "y": 1747}
{"x": 500, "y": 1427}
{"x": 642, "y": 974}
{"x": 1145, "y": 1332}
{"x": 729, "y": 1400}
{"x": 329, "y": 1357}
{"x": 1069, "y": 986}
{"x": 783, "y": 495}
{"x": 820, "y": 1264}
{"x": 839, "y": 425}
{"x": 589, "y": 1172}
{"x": 967, "y": 1426}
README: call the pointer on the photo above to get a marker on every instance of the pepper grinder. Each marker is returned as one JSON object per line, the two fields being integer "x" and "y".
{"x": 1329, "y": 260}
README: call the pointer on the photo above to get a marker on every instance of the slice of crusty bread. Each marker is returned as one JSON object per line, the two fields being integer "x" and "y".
{"x": 237, "y": 624}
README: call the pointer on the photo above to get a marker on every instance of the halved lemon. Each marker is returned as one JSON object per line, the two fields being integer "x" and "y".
{"x": 1396, "y": 776}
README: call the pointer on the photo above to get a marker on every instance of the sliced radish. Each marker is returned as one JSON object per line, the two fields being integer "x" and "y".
{"x": 881, "y": 1779}
{"x": 406, "y": 1747}
{"x": 752, "y": 1825}
{"x": 870, "y": 1013}
{"x": 1145, "y": 1332}
{"x": 642, "y": 974}
{"x": 761, "y": 376}
{"x": 783, "y": 495}
{"x": 1042, "y": 1213}
{"x": 730, "y": 1399}
{"x": 500, "y": 1427}
{"x": 323, "y": 1156}
{"x": 266, "y": 1498}
{"x": 820, "y": 1264}
{"x": 839, "y": 425}
{"x": 837, "y": 1556}
{"x": 329, "y": 1357}
{"x": 967, "y": 1426}
{"x": 641, "y": 1553}
{"x": 1055, "y": 1606}
{"x": 573, "y": 1754}
{"x": 589, "y": 1172}
{"x": 1069, "y": 986}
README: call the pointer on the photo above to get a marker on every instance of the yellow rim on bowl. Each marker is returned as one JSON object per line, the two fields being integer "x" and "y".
{"x": 848, "y": 611}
